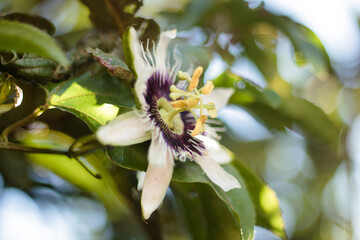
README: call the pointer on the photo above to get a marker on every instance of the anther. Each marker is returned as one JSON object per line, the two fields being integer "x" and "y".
{"x": 199, "y": 125}
{"x": 180, "y": 104}
{"x": 195, "y": 79}
{"x": 207, "y": 89}
{"x": 185, "y": 104}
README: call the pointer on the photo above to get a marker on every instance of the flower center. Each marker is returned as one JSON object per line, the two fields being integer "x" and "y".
{"x": 192, "y": 99}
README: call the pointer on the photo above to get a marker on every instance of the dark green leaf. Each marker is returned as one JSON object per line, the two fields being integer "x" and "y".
{"x": 36, "y": 21}
{"x": 131, "y": 157}
{"x": 24, "y": 38}
{"x": 206, "y": 216}
{"x": 96, "y": 99}
{"x": 238, "y": 200}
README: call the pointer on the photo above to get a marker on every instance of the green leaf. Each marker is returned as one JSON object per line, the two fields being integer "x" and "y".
{"x": 280, "y": 113}
{"x": 132, "y": 157}
{"x": 311, "y": 119}
{"x": 96, "y": 99}
{"x": 238, "y": 200}
{"x": 37, "y": 21}
{"x": 24, "y": 38}
{"x": 268, "y": 212}
{"x": 206, "y": 216}
{"x": 106, "y": 189}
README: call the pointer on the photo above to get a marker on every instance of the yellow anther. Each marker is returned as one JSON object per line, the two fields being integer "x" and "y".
{"x": 207, "y": 89}
{"x": 183, "y": 76}
{"x": 193, "y": 101}
{"x": 195, "y": 79}
{"x": 185, "y": 104}
{"x": 180, "y": 104}
{"x": 199, "y": 125}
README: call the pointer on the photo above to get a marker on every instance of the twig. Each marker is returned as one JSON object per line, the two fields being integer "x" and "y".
{"x": 37, "y": 112}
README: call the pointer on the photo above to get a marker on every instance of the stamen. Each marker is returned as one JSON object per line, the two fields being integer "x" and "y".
{"x": 188, "y": 103}
{"x": 207, "y": 89}
{"x": 199, "y": 125}
{"x": 180, "y": 104}
{"x": 195, "y": 79}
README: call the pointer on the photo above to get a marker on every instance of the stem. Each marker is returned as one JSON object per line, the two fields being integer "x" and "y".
{"x": 37, "y": 112}
{"x": 22, "y": 148}
{"x": 71, "y": 154}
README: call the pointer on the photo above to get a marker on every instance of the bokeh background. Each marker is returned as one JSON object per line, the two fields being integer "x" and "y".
{"x": 299, "y": 48}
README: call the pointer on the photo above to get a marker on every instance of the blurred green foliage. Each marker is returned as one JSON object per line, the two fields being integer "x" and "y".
{"x": 74, "y": 75}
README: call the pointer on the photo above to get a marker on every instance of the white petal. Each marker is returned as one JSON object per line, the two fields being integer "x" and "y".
{"x": 159, "y": 151}
{"x": 161, "y": 50}
{"x": 143, "y": 69}
{"x": 219, "y": 96}
{"x": 214, "y": 150}
{"x": 126, "y": 129}
{"x": 217, "y": 174}
{"x": 156, "y": 182}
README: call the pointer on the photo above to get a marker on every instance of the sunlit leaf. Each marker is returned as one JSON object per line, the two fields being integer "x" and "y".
{"x": 24, "y": 38}
{"x": 119, "y": 208}
{"x": 268, "y": 213}
{"x": 10, "y": 93}
{"x": 89, "y": 96}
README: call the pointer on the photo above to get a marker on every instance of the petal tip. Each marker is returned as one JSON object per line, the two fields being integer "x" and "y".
{"x": 147, "y": 209}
